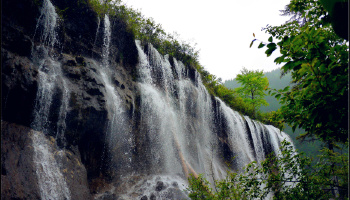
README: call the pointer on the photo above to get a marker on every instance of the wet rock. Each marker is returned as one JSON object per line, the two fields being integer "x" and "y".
{"x": 71, "y": 63}
{"x": 108, "y": 196}
{"x": 19, "y": 178}
{"x": 174, "y": 193}
{"x": 74, "y": 172}
{"x": 144, "y": 198}
{"x": 160, "y": 186}
{"x": 175, "y": 184}
{"x": 153, "y": 197}
{"x": 18, "y": 172}
{"x": 80, "y": 60}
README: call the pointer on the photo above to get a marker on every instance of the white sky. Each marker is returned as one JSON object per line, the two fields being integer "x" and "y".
{"x": 222, "y": 29}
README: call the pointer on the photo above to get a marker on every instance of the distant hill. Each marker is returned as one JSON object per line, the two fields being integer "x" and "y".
{"x": 278, "y": 82}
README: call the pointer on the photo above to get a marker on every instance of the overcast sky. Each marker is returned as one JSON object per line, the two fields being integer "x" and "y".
{"x": 222, "y": 29}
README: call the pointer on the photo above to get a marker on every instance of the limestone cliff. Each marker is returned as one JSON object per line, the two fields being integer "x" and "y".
{"x": 90, "y": 113}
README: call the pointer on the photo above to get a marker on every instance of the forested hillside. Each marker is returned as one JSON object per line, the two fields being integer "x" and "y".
{"x": 276, "y": 81}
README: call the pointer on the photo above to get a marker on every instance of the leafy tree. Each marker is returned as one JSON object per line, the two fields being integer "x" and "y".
{"x": 253, "y": 85}
{"x": 288, "y": 175}
{"x": 318, "y": 62}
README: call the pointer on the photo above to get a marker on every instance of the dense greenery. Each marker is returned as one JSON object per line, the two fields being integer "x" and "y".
{"x": 288, "y": 175}
{"x": 318, "y": 62}
{"x": 253, "y": 86}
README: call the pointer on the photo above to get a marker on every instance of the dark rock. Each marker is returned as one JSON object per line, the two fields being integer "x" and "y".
{"x": 175, "y": 193}
{"x": 19, "y": 179}
{"x": 175, "y": 184}
{"x": 144, "y": 198}
{"x": 71, "y": 63}
{"x": 18, "y": 171}
{"x": 160, "y": 186}
{"x": 108, "y": 196}
{"x": 74, "y": 172}
{"x": 80, "y": 60}
{"x": 19, "y": 88}
{"x": 153, "y": 197}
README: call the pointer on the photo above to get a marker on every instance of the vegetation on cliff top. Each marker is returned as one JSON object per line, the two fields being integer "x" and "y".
{"x": 148, "y": 31}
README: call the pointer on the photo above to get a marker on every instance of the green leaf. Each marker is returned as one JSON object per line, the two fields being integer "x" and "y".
{"x": 286, "y": 89}
{"x": 251, "y": 43}
{"x": 269, "y": 51}
{"x": 261, "y": 45}
{"x": 270, "y": 39}
{"x": 271, "y": 45}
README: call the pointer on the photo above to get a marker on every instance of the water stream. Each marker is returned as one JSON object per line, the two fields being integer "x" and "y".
{"x": 51, "y": 82}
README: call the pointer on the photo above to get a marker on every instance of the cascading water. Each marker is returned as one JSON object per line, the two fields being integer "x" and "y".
{"x": 181, "y": 137}
{"x": 117, "y": 137}
{"x": 51, "y": 181}
{"x": 51, "y": 82}
{"x": 179, "y": 120}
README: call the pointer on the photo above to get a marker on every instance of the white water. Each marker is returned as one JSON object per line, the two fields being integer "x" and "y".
{"x": 51, "y": 181}
{"x": 51, "y": 79}
{"x": 106, "y": 41}
{"x": 179, "y": 117}
{"x": 118, "y": 138}
{"x": 176, "y": 123}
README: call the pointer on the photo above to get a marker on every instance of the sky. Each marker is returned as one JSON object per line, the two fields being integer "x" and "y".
{"x": 222, "y": 30}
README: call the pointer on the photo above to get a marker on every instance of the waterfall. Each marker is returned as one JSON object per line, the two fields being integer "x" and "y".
{"x": 182, "y": 139}
{"x": 238, "y": 135}
{"x": 51, "y": 82}
{"x": 106, "y": 41}
{"x": 182, "y": 125}
{"x": 51, "y": 181}
{"x": 185, "y": 128}
{"x": 117, "y": 136}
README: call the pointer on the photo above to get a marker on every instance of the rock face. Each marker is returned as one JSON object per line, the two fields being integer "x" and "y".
{"x": 84, "y": 140}
{"x": 92, "y": 115}
{"x": 18, "y": 170}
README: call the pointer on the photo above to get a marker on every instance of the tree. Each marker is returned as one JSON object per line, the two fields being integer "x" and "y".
{"x": 318, "y": 62}
{"x": 253, "y": 85}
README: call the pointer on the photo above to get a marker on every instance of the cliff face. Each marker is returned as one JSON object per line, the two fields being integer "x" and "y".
{"x": 88, "y": 113}
{"x": 84, "y": 137}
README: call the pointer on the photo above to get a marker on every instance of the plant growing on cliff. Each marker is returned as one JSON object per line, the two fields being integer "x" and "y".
{"x": 288, "y": 175}
{"x": 253, "y": 86}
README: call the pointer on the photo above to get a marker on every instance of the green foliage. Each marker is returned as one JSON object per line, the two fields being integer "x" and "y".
{"x": 101, "y": 7}
{"x": 288, "y": 175}
{"x": 318, "y": 62}
{"x": 253, "y": 85}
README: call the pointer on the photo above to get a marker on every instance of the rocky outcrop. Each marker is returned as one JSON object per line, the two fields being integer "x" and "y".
{"x": 18, "y": 170}
{"x": 18, "y": 178}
